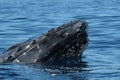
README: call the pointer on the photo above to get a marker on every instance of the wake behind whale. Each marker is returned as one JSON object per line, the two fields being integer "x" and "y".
{"x": 63, "y": 44}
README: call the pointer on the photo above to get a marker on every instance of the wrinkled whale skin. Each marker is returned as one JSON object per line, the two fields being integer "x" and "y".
{"x": 55, "y": 45}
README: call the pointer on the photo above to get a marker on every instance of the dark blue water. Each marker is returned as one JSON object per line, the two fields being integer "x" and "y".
{"x": 24, "y": 19}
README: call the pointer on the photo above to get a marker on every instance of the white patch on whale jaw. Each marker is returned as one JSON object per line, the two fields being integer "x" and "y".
{"x": 16, "y": 61}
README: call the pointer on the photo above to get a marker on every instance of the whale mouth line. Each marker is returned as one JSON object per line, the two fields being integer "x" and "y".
{"x": 57, "y": 45}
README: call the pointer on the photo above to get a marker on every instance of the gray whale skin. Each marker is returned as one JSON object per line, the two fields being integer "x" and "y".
{"x": 56, "y": 45}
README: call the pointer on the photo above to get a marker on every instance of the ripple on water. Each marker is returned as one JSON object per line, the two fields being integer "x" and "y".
{"x": 21, "y": 20}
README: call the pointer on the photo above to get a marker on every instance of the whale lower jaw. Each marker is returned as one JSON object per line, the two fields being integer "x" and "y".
{"x": 58, "y": 44}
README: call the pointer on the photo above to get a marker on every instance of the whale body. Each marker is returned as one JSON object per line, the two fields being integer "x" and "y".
{"x": 57, "y": 44}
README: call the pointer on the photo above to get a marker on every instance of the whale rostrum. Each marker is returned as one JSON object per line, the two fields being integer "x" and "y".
{"x": 55, "y": 45}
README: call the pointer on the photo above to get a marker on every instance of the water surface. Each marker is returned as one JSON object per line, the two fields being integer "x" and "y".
{"x": 24, "y": 19}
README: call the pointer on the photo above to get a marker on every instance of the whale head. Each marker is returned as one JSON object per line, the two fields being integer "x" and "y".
{"x": 58, "y": 44}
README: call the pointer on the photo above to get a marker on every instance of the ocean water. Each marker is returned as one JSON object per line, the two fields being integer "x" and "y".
{"x": 24, "y": 19}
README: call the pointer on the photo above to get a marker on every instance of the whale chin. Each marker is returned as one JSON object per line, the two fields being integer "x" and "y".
{"x": 62, "y": 44}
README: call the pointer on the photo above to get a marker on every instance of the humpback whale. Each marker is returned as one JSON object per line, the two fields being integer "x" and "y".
{"x": 65, "y": 41}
